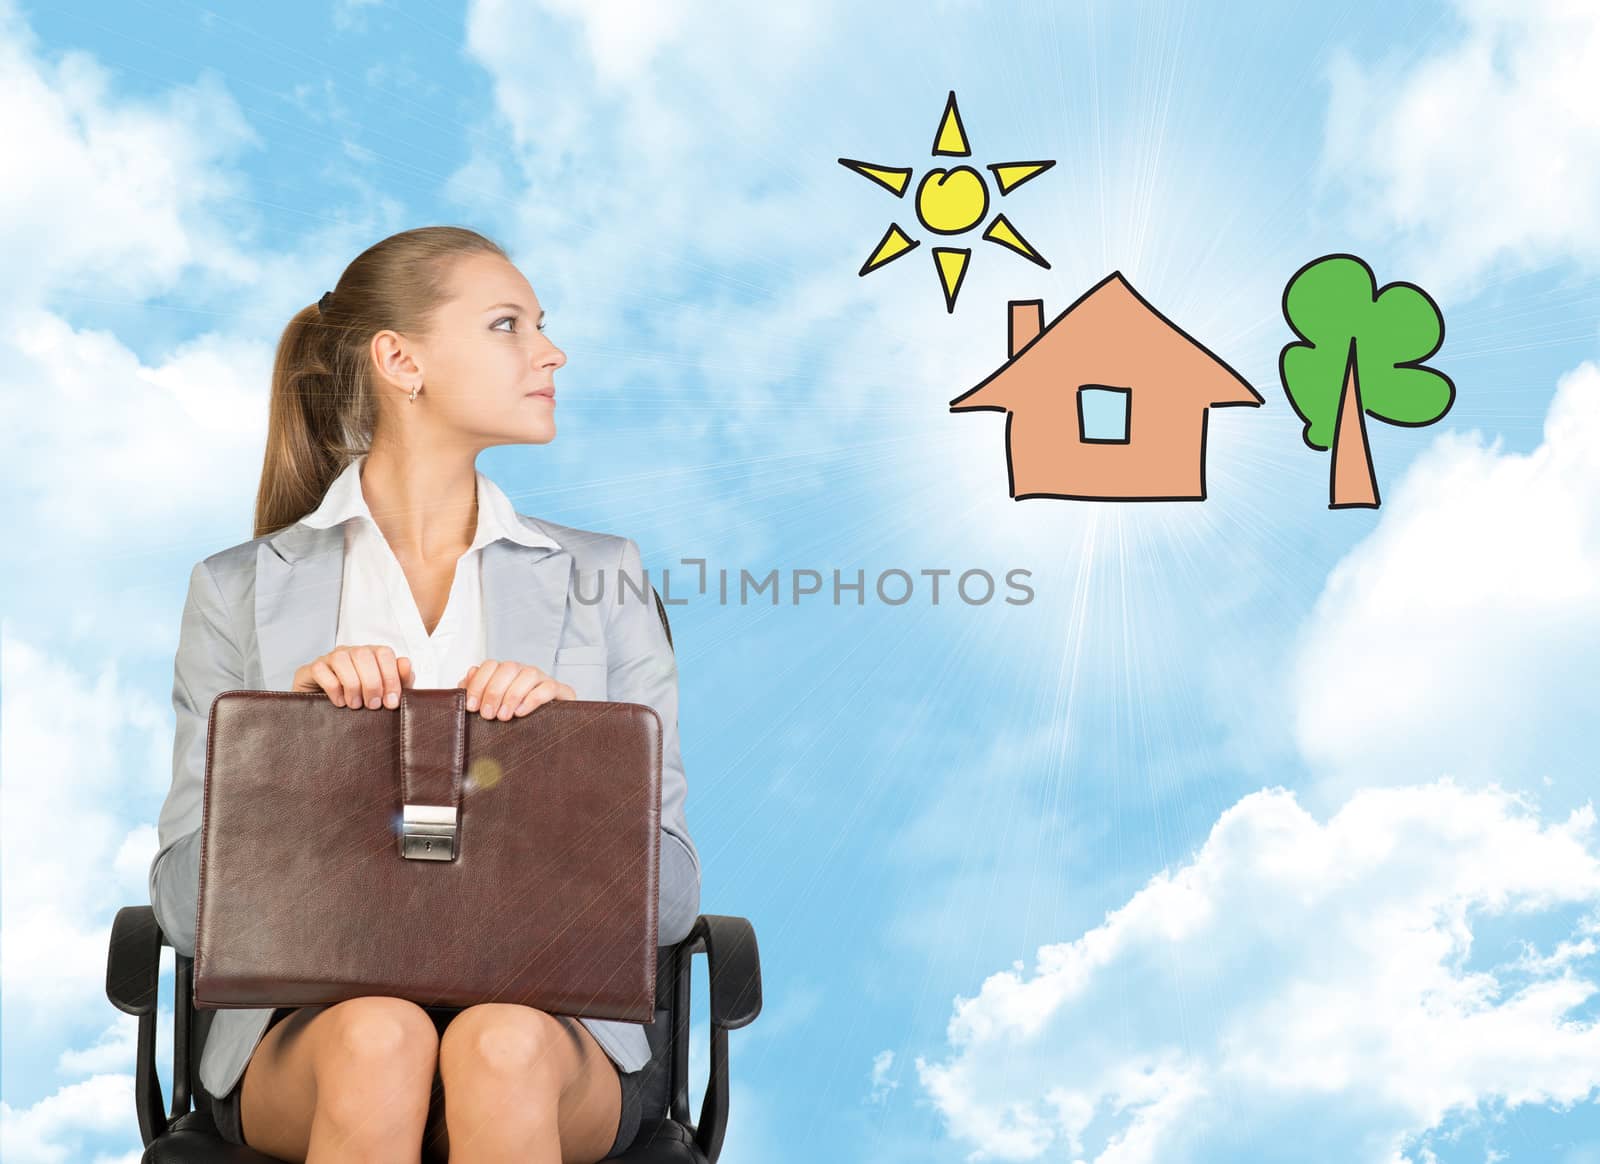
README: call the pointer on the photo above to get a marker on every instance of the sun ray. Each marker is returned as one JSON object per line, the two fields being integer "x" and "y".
{"x": 1001, "y": 231}
{"x": 952, "y": 265}
{"x": 892, "y": 178}
{"x": 891, "y": 246}
{"x": 1009, "y": 175}
{"x": 951, "y": 140}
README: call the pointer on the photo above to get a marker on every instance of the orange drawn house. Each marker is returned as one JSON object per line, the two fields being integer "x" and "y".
{"x": 1108, "y": 403}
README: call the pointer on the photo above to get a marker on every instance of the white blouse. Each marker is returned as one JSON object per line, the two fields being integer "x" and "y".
{"x": 376, "y": 605}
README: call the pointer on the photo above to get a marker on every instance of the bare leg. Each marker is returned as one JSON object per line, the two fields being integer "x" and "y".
{"x": 526, "y": 1085}
{"x": 346, "y": 1082}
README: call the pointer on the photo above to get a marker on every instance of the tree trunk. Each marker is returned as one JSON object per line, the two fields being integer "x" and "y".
{"x": 1352, "y": 483}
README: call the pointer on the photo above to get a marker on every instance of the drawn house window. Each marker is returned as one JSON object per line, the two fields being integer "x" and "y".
{"x": 1103, "y": 414}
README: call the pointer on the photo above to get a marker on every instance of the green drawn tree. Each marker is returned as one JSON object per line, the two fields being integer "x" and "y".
{"x": 1359, "y": 354}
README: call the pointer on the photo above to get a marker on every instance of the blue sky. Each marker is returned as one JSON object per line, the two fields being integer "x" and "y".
{"x": 1262, "y": 829}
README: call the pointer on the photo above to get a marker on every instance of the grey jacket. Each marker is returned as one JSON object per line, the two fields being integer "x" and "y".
{"x": 257, "y": 611}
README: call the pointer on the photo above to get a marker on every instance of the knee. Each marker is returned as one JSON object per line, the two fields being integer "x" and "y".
{"x": 386, "y": 1030}
{"x": 503, "y": 1039}
{"x": 380, "y": 1048}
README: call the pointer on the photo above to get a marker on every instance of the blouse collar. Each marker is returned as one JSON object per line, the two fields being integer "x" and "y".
{"x": 496, "y": 516}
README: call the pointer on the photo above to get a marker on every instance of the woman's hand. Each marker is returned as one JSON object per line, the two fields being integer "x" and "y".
{"x": 506, "y": 689}
{"x": 353, "y": 676}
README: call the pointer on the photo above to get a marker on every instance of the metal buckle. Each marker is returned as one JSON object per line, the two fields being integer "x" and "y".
{"x": 428, "y": 832}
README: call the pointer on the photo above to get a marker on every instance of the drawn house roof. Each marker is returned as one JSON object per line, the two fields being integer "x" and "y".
{"x": 1110, "y": 340}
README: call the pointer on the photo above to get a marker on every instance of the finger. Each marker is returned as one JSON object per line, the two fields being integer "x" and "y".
{"x": 322, "y": 675}
{"x": 542, "y": 693}
{"x": 389, "y": 670}
{"x": 479, "y": 679}
{"x": 366, "y": 660}
{"x": 467, "y": 678}
{"x": 494, "y": 691}
{"x": 520, "y": 685}
{"x": 403, "y": 663}
{"x": 345, "y": 667}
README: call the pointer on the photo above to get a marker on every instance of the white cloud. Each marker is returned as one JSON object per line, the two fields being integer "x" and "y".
{"x": 1486, "y": 151}
{"x": 67, "y": 787}
{"x": 158, "y": 448}
{"x": 706, "y": 265}
{"x": 52, "y": 1131}
{"x": 115, "y": 1049}
{"x": 622, "y": 39}
{"x": 120, "y": 446}
{"x": 117, "y": 193}
{"x": 115, "y": 454}
{"x": 133, "y": 855}
{"x": 615, "y": 151}
{"x": 1292, "y": 969}
{"x": 676, "y": 183}
{"x": 880, "y": 1079}
{"x": 1460, "y": 636}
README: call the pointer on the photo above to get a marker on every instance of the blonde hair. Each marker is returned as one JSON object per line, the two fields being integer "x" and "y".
{"x": 324, "y": 405}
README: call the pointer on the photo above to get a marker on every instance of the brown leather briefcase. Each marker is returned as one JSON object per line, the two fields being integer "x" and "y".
{"x": 427, "y": 853}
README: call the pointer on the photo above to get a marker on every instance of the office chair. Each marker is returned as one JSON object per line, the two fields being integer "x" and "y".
{"x": 668, "y": 1134}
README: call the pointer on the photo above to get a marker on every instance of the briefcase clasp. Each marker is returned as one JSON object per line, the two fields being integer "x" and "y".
{"x": 428, "y": 832}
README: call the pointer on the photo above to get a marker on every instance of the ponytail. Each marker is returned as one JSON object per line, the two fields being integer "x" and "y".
{"x": 323, "y": 407}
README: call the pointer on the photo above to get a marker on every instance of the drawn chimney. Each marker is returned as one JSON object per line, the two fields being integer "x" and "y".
{"x": 1027, "y": 321}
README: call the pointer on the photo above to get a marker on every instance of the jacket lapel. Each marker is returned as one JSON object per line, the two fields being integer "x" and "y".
{"x": 300, "y": 572}
{"x": 525, "y": 601}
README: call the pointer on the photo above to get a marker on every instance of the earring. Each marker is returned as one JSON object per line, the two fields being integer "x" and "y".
{"x": 415, "y": 389}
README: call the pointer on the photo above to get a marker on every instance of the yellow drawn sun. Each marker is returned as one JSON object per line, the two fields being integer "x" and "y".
{"x": 950, "y": 202}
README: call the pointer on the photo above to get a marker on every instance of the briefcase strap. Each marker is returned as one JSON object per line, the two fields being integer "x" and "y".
{"x": 433, "y": 746}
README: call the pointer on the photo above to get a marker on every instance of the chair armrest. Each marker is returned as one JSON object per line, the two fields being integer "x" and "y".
{"x": 733, "y": 968}
{"x": 133, "y": 980}
{"x": 133, "y": 966}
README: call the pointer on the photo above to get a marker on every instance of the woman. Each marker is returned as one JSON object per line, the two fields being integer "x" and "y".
{"x": 383, "y": 559}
